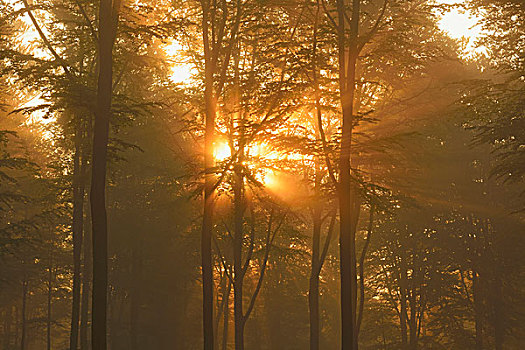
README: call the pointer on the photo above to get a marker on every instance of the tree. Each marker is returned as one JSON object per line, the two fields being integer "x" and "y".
{"x": 348, "y": 201}
{"x": 108, "y": 20}
{"x": 496, "y": 100}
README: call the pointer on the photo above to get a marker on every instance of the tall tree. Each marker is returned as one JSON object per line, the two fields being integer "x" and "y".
{"x": 218, "y": 46}
{"x": 496, "y": 102}
{"x": 107, "y": 30}
{"x": 347, "y": 190}
{"x": 319, "y": 252}
{"x": 78, "y": 185}
{"x": 207, "y": 219}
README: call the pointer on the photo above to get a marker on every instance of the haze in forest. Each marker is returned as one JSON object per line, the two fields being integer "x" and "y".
{"x": 262, "y": 175}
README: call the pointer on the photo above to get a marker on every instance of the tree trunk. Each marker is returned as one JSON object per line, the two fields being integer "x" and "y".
{"x": 108, "y": 19}
{"x": 478, "y": 309}
{"x": 313, "y": 291}
{"x": 362, "y": 270}
{"x": 226, "y": 317}
{"x": 403, "y": 310}
{"x": 347, "y": 192}
{"x": 77, "y": 226}
{"x": 237, "y": 258}
{"x": 317, "y": 260}
{"x": 209, "y": 193}
{"x": 49, "y": 300}
{"x": 86, "y": 289}
{"x": 225, "y": 283}
{"x": 413, "y": 345}
{"x": 23, "y": 315}
{"x": 87, "y": 265}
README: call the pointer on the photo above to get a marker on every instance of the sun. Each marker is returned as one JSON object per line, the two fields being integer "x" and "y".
{"x": 270, "y": 179}
{"x": 461, "y": 24}
{"x": 180, "y": 70}
{"x": 221, "y": 151}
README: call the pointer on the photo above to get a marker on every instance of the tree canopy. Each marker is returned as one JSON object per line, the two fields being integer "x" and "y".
{"x": 327, "y": 174}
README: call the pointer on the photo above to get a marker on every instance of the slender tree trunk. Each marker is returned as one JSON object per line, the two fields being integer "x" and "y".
{"x": 23, "y": 315}
{"x": 220, "y": 308}
{"x": 49, "y": 300}
{"x": 225, "y": 288}
{"x": 478, "y": 307}
{"x": 347, "y": 192}
{"x": 403, "y": 310}
{"x": 226, "y": 318}
{"x": 86, "y": 289}
{"x": 209, "y": 193}
{"x": 237, "y": 260}
{"x": 87, "y": 246}
{"x": 239, "y": 269}
{"x": 317, "y": 260}
{"x": 362, "y": 269}
{"x": 413, "y": 345}
{"x": 108, "y": 19}
{"x": 78, "y": 225}
{"x": 313, "y": 292}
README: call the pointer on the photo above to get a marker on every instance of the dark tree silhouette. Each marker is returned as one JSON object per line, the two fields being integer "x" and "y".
{"x": 108, "y": 20}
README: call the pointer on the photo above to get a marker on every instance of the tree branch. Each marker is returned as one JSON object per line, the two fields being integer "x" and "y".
{"x": 88, "y": 21}
{"x": 223, "y": 261}
{"x": 269, "y": 240}
{"x": 374, "y": 29}
{"x": 233, "y": 37}
{"x": 45, "y": 40}
{"x": 327, "y": 13}
{"x": 252, "y": 244}
{"x": 326, "y": 245}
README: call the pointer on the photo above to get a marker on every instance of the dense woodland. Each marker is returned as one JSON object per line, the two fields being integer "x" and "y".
{"x": 260, "y": 174}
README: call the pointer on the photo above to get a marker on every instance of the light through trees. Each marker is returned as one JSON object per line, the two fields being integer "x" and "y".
{"x": 222, "y": 137}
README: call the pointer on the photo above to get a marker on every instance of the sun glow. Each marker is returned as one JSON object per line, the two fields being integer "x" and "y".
{"x": 181, "y": 71}
{"x": 270, "y": 179}
{"x": 221, "y": 151}
{"x": 264, "y": 150}
{"x": 461, "y": 24}
{"x": 256, "y": 153}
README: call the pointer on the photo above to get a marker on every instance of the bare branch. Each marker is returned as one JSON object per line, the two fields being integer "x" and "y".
{"x": 223, "y": 261}
{"x": 318, "y": 101}
{"x": 45, "y": 40}
{"x": 374, "y": 29}
{"x": 233, "y": 38}
{"x": 88, "y": 21}
{"x": 326, "y": 245}
{"x": 227, "y": 229}
{"x": 269, "y": 240}
{"x": 327, "y": 13}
